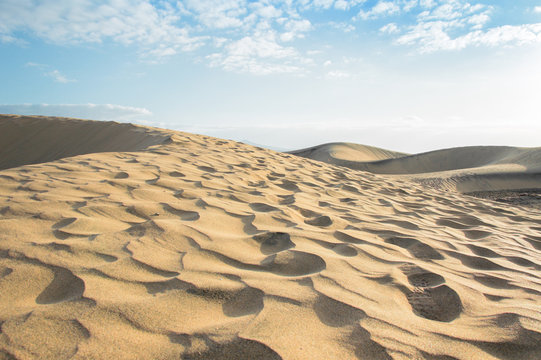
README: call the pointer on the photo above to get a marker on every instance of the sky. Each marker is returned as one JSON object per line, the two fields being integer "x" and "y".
{"x": 406, "y": 75}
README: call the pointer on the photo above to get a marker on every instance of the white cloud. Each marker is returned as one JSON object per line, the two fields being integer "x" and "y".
{"x": 390, "y": 28}
{"x": 433, "y": 36}
{"x": 55, "y": 74}
{"x": 343, "y": 26}
{"x": 346, "y": 4}
{"x": 79, "y": 21}
{"x": 295, "y": 29}
{"x": 58, "y": 77}
{"x": 427, "y": 4}
{"x": 381, "y": 9}
{"x": 257, "y": 36}
{"x": 259, "y": 54}
{"x": 457, "y": 24}
{"x": 85, "y": 111}
{"x": 218, "y": 14}
{"x": 337, "y": 74}
{"x": 479, "y": 20}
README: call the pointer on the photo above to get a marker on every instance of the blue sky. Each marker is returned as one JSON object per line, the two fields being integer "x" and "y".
{"x": 410, "y": 75}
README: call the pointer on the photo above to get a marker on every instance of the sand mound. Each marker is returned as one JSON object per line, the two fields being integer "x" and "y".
{"x": 37, "y": 139}
{"x": 342, "y": 153}
{"x": 201, "y": 248}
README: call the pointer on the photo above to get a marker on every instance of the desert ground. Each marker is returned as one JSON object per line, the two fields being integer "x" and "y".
{"x": 120, "y": 241}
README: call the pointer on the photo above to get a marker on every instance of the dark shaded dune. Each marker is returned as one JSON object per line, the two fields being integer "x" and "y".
{"x": 28, "y": 140}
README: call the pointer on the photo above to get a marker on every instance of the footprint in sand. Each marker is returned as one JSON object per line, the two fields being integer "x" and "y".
{"x": 176, "y": 174}
{"x": 341, "y": 249}
{"x": 482, "y": 251}
{"x": 122, "y": 175}
{"x": 208, "y": 169}
{"x": 184, "y": 215}
{"x": 247, "y": 301}
{"x": 64, "y": 287}
{"x": 261, "y": 207}
{"x": 535, "y": 241}
{"x": 238, "y": 348}
{"x": 322, "y": 221}
{"x": 274, "y": 242}
{"x": 415, "y": 247}
{"x": 345, "y": 250}
{"x": 475, "y": 262}
{"x": 289, "y": 185}
{"x": 476, "y": 234}
{"x": 403, "y": 224}
{"x": 342, "y": 236}
{"x": 293, "y": 263}
{"x": 452, "y": 224}
{"x": 430, "y": 298}
{"x": 287, "y": 199}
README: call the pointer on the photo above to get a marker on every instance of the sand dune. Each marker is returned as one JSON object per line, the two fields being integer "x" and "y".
{"x": 202, "y": 248}
{"x": 37, "y": 139}
{"x": 343, "y": 153}
{"x": 466, "y": 169}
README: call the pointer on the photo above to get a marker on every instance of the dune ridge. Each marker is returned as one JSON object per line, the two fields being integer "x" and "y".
{"x": 203, "y": 248}
{"x": 466, "y": 169}
{"x": 37, "y": 139}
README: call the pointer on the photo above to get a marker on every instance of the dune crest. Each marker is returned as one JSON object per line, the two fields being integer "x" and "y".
{"x": 37, "y": 139}
{"x": 202, "y": 248}
{"x": 344, "y": 153}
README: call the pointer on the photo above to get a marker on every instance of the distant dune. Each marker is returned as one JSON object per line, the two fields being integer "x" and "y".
{"x": 467, "y": 169}
{"x": 346, "y": 154}
{"x": 127, "y": 242}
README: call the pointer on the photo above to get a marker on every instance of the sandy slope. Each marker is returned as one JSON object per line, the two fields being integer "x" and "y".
{"x": 202, "y": 248}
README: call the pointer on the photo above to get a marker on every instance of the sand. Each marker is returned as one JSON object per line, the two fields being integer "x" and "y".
{"x": 471, "y": 169}
{"x": 192, "y": 247}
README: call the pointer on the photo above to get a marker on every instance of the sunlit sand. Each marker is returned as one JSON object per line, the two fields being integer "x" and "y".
{"x": 127, "y": 242}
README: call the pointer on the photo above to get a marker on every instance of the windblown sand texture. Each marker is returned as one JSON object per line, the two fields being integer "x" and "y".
{"x": 201, "y": 248}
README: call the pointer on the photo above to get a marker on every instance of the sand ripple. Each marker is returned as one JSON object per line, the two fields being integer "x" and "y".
{"x": 201, "y": 248}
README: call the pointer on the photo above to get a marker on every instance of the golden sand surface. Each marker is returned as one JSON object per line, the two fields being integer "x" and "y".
{"x": 192, "y": 247}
